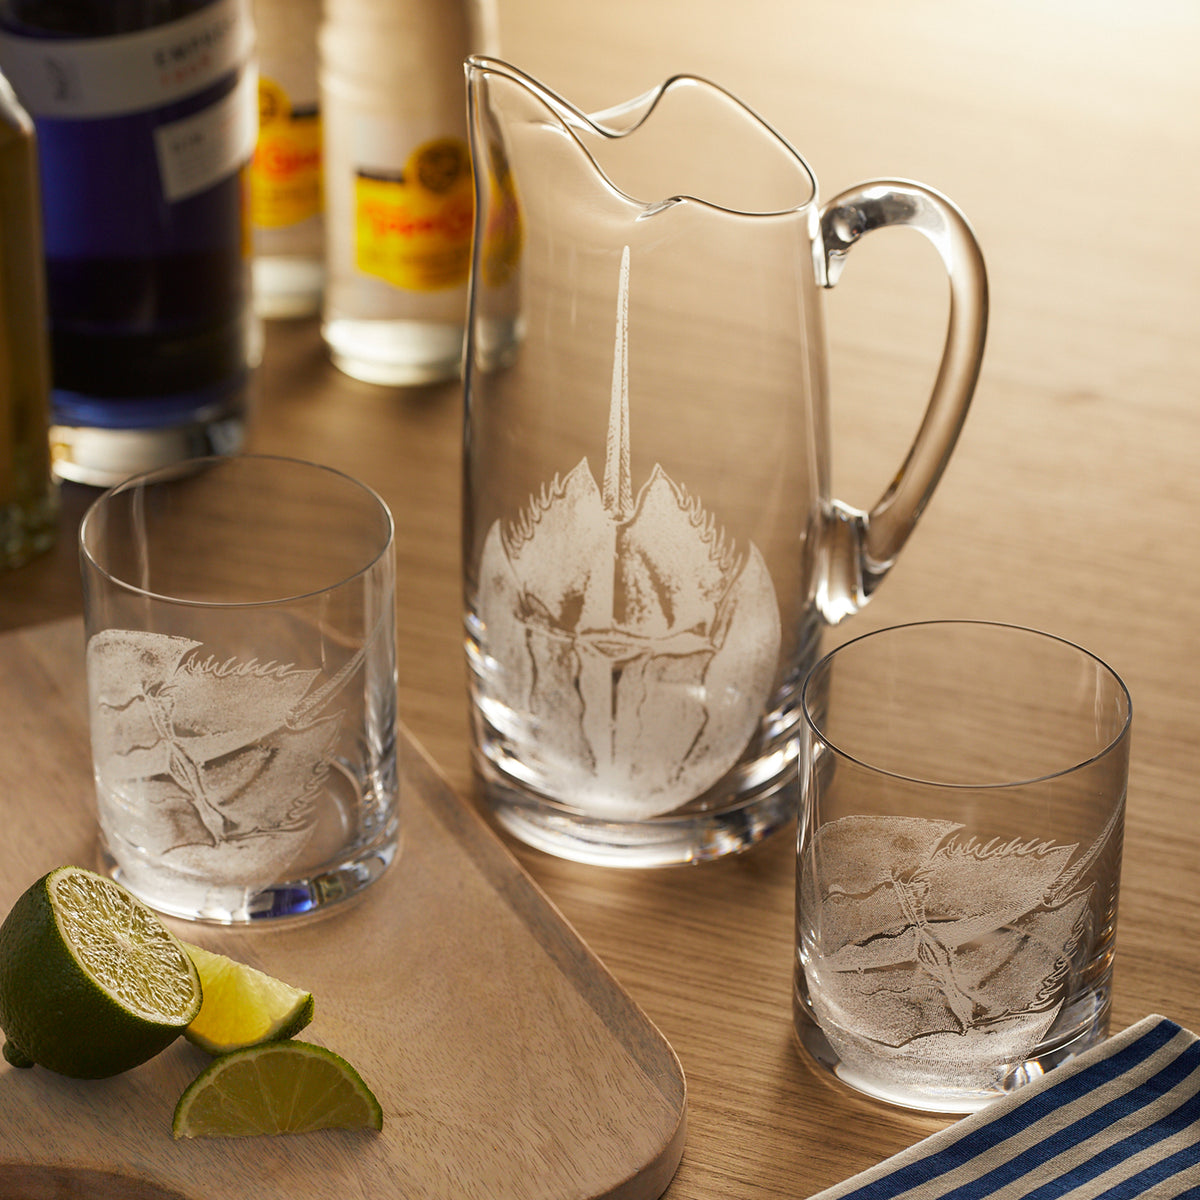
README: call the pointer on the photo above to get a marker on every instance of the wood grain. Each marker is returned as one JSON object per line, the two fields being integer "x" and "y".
{"x": 19, "y": 1182}
{"x": 1069, "y": 133}
{"x": 507, "y": 1061}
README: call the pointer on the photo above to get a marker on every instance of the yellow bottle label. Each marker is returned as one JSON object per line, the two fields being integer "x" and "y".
{"x": 504, "y": 236}
{"x": 285, "y": 175}
{"x": 413, "y": 227}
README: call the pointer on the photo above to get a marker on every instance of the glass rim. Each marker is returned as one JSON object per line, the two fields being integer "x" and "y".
{"x": 191, "y": 466}
{"x": 1122, "y": 734}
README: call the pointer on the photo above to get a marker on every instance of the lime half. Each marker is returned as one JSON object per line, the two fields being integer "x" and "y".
{"x": 91, "y": 981}
{"x": 243, "y": 1007}
{"x": 278, "y": 1087}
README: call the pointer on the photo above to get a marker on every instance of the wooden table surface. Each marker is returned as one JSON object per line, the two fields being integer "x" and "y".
{"x": 1069, "y": 133}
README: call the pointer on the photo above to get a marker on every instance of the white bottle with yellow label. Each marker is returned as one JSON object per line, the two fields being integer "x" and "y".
{"x": 398, "y": 190}
{"x": 286, "y": 200}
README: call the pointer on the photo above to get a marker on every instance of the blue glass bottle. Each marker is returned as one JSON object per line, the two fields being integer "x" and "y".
{"x": 145, "y": 116}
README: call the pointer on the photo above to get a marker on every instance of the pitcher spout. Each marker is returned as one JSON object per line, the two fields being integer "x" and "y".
{"x": 731, "y": 158}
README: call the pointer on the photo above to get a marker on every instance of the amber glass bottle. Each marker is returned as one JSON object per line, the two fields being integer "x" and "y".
{"x": 27, "y": 495}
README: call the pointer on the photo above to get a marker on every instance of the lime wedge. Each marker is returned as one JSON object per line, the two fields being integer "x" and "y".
{"x": 91, "y": 981}
{"x": 278, "y": 1087}
{"x": 243, "y": 1007}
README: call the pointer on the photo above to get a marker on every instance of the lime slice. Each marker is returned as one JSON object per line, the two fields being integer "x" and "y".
{"x": 243, "y": 1007}
{"x": 91, "y": 981}
{"x": 278, "y": 1087}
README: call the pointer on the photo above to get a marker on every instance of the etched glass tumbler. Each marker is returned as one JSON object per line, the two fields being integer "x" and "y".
{"x": 241, "y": 675}
{"x": 959, "y": 858}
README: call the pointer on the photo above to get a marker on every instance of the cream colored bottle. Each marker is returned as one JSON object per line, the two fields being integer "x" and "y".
{"x": 398, "y": 190}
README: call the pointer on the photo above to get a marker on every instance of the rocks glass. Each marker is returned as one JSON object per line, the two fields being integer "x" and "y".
{"x": 959, "y": 859}
{"x": 241, "y": 674}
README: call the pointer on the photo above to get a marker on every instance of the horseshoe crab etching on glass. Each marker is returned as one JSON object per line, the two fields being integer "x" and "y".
{"x": 224, "y": 757}
{"x": 641, "y": 642}
{"x": 923, "y": 936}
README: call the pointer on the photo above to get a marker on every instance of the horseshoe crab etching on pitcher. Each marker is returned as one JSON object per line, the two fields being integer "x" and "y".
{"x": 921, "y": 936}
{"x": 222, "y": 759}
{"x": 635, "y": 638}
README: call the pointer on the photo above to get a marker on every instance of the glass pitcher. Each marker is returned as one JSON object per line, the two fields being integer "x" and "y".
{"x": 651, "y": 550}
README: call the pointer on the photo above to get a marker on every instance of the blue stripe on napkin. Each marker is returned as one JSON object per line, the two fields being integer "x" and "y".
{"x": 1119, "y": 1122}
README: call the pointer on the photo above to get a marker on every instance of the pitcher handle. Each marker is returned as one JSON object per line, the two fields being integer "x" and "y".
{"x": 862, "y": 546}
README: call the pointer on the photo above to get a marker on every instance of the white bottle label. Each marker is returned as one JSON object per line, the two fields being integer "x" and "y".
{"x": 198, "y": 151}
{"x": 134, "y": 72}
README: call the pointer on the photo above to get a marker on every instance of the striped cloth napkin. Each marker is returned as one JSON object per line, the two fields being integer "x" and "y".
{"x": 1120, "y": 1121}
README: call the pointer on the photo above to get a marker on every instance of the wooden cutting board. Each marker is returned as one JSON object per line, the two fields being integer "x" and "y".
{"x": 507, "y": 1060}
